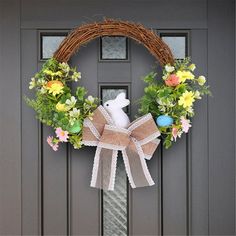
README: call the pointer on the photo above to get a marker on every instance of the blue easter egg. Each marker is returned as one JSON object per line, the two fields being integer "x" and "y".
{"x": 164, "y": 121}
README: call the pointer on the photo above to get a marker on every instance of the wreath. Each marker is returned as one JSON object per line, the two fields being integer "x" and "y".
{"x": 169, "y": 99}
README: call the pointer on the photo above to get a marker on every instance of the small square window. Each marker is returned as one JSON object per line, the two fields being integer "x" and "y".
{"x": 49, "y": 42}
{"x": 113, "y": 48}
{"x": 178, "y": 43}
{"x": 108, "y": 92}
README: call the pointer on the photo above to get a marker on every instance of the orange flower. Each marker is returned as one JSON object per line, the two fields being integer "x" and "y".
{"x": 172, "y": 80}
{"x": 53, "y": 82}
{"x": 55, "y": 87}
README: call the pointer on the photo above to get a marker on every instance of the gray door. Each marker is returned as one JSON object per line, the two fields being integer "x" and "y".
{"x": 68, "y": 203}
{"x": 46, "y": 192}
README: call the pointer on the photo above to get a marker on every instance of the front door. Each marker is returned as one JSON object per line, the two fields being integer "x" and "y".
{"x": 60, "y": 180}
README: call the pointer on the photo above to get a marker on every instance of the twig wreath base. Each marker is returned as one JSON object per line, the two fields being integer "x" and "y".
{"x": 169, "y": 99}
{"x": 109, "y": 27}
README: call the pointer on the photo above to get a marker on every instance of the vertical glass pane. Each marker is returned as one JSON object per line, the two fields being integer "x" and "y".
{"x": 114, "y": 48}
{"x": 115, "y": 202}
{"x": 177, "y": 45}
{"x": 49, "y": 45}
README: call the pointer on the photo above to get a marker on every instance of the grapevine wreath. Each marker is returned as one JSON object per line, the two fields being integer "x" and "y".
{"x": 77, "y": 118}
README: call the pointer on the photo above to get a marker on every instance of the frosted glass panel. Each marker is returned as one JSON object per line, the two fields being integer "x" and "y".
{"x": 115, "y": 202}
{"x": 177, "y": 45}
{"x": 49, "y": 45}
{"x": 114, "y": 48}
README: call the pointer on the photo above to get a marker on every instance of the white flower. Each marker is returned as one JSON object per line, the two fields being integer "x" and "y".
{"x": 72, "y": 120}
{"x": 41, "y": 81}
{"x": 32, "y": 83}
{"x": 65, "y": 67}
{"x": 169, "y": 68}
{"x": 159, "y": 101}
{"x": 90, "y": 98}
{"x": 76, "y": 76}
{"x": 71, "y": 102}
{"x": 201, "y": 80}
{"x": 164, "y": 77}
{"x": 43, "y": 90}
{"x": 74, "y": 113}
{"x": 192, "y": 67}
{"x": 190, "y": 110}
{"x": 197, "y": 95}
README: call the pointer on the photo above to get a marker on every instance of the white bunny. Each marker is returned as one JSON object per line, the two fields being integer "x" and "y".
{"x": 114, "y": 108}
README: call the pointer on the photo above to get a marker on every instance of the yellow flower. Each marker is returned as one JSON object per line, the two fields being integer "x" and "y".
{"x": 187, "y": 99}
{"x": 184, "y": 75}
{"x": 55, "y": 87}
{"x": 61, "y": 107}
{"x": 201, "y": 80}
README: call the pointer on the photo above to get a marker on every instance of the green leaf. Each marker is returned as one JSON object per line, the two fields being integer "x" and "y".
{"x": 167, "y": 143}
{"x": 150, "y": 78}
{"x": 80, "y": 93}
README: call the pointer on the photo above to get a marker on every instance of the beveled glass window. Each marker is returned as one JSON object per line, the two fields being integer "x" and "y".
{"x": 115, "y": 203}
{"x": 178, "y": 43}
{"x": 113, "y": 48}
{"x": 49, "y": 43}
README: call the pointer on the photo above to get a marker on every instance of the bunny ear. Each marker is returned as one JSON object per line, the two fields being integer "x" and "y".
{"x": 124, "y": 103}
{"x": 120, "y": 96}
{"x": 121, "y": 100}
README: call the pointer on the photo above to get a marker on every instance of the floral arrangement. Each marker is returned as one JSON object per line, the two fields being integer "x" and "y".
{"x": 171, "y": 99}
{"x": 56, "y": 106}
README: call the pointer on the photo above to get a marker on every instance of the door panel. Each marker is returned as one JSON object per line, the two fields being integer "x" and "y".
{"x": 145, "y": 202}
{"x": 175, "y": 189}
{"x": 31, "y": 158}
{"x": 85, "y": 201}
{"x": 198, "y": 161}
{"x": 54, "y": 187}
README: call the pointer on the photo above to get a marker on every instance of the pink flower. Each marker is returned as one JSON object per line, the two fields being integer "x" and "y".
{"x": 172, "y": 80}
{"x": 54, "y": 146}
{"x": 62, "y": 135}
{"x": 185, "y": 123}
{"x": 175, "y": 133}
{"x": 49, "y": 140}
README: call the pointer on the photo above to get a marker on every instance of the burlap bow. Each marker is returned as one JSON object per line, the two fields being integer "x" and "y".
{"x": 137, "y": 143}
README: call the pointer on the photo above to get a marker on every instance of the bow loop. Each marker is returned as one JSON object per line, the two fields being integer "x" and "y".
{"x": 144, "y": 129}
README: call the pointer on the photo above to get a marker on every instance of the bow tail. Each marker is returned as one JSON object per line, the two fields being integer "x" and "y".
{"x": 104, "y": 169}
{"x": 136, "y": 166}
